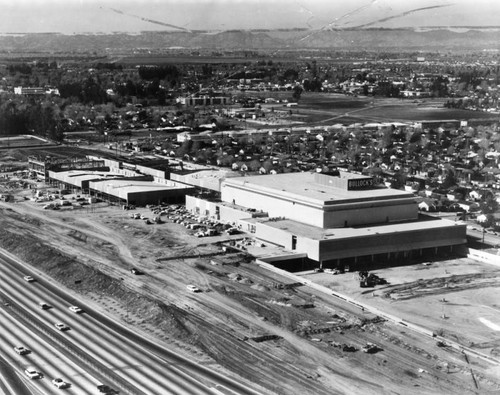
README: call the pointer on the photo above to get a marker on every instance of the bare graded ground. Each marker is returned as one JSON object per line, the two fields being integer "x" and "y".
{"x": 253, "y": 324}
{"x": 456, "y": 299}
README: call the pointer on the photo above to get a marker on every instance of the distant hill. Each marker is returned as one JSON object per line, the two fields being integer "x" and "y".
{"x": 431, "y": 39}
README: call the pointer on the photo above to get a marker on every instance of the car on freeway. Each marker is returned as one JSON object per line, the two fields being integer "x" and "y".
{"x": 21, "y": 350}
{"x": 33, "y": 373}
{"x": 44, "y": 306}
{"x": 193, "y": 288}
{"x": 60, "y": 383}
{"x": 76, "y": 309}
{"x": 371, "y": 348}
{"x": 349, "y": 348}
{"x": 105, "y": 389}
{"x": 28, "y": 279}
{"x": 61, "y": 326}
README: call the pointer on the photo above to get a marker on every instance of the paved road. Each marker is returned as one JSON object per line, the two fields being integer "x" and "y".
{"x": 91, "y": 351}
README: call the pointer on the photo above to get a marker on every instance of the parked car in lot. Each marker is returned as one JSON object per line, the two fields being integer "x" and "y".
{"x": 44, "y": 306}
{"x": 76, "y": 309}
{"x": 33, "y": 373}
{"x": 61, "y": 326}
{"x": 28, "y": 279}
{"x": 60, "y": 383}
{"x": 21, "y": 350}
{"x": 210, "y": 232}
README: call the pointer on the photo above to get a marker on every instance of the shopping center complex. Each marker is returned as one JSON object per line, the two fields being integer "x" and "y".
{"x": 331, "y": 219}
{"x": 334, "y": 219}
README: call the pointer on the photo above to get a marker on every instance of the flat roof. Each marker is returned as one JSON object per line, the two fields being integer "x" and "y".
{"x": 302, "y": 186}
{"x": 316, "y": 233}
{"x": 134, "y": 186}
{"x": 84, "y": 175}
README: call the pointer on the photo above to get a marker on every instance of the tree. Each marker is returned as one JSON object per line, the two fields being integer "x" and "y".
{"x": 450, "y": 179}
{"x": 489, "y": 204}
{"x": 297, "y": 92}
{"x": 290, "y": 75}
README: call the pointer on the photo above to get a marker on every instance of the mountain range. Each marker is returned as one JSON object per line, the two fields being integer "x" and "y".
{"x": 438, "y": 39}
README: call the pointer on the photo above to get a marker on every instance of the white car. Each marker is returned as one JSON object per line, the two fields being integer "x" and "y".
{"x": 28, "y": 279}
{"x": 76, "y": 309}
{"x": 60, "y": 383}
{"x": 33, "y": 373}
{"x": 21, "y": 350}
{"x": 193, "y": 288}
{"x": 61, "y": 326}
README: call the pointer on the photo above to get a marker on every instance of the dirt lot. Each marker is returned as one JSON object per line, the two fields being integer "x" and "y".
{"x": 456, "y": 298}
{"x": 255, "y": 324}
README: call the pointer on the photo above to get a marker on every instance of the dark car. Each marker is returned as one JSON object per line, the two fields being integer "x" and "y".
{"x": 371, "y": 348}
{"x": 349, "y": 348}
{"x": 44, "y": 306}
{"x": 105, "y": 389}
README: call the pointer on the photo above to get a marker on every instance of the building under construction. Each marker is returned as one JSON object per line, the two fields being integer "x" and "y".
{"x": 113, "y": 181}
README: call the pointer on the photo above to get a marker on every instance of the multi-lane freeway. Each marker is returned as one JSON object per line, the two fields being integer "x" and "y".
{"x": 95, "y": 350}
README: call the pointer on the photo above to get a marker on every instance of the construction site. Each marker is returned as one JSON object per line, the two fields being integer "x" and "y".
{"x": 419, "y": 327}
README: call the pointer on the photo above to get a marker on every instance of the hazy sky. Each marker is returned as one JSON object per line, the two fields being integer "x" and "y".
{"x": 78, "y": 16}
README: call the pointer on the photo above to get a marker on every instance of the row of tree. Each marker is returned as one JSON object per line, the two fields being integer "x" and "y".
{"x": 31, "y": 118}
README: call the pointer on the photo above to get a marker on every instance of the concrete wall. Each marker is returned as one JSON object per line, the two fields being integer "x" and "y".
{"x": 392, "y": 242}
{"x": 157, "y": 174}
{"x": 331, "y": 249}
{"x": 275, "y": 207}
{"x": 483, "y": 256}
{"x": 281, "y": 237}
{"x": 329, "y": 216}
{"x": 370, "y": 213}
{"x": 310, "y": 247}
{"x": 153, "y": 197}
{"x": 209, "y": 209}
{"x": 204, "y": 179}
{"x": 273, "y": 235}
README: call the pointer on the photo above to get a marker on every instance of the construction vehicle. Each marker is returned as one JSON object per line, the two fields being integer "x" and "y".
{"x": 369, "y": 279}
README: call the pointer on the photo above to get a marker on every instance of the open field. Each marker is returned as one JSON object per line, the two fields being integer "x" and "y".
{"x": 331, "y": 108}
{"x": 22, "y": 141}
{"x": 349, "y": 109}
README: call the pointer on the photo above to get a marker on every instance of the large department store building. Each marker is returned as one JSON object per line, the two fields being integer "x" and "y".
{"x": 334, "y": 219}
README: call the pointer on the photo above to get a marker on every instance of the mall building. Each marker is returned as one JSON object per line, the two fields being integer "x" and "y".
{"x": 334, "y": 219}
